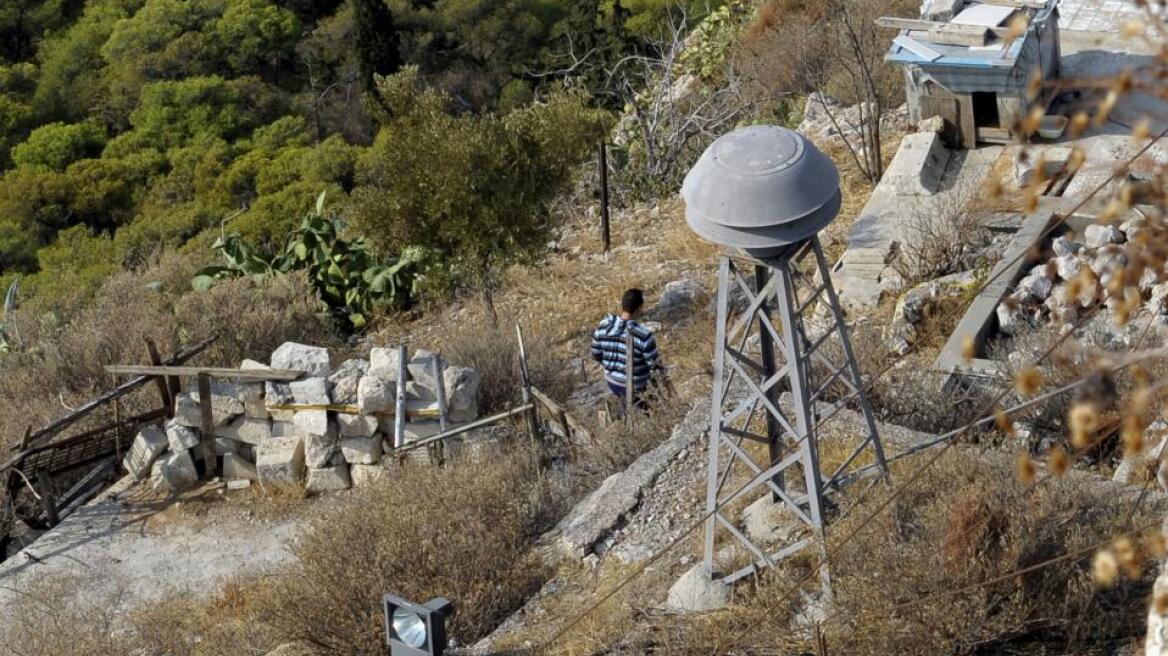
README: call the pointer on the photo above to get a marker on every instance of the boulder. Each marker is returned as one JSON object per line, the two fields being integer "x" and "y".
{"x": 356, "y": 425}
{"x": 695, "y": 592}
{"x": 312, "y": 360}
{"x": 374, "y": 395}
{"x": 328, "y": 479}
{"x": 462, "y": 392}
{"x": 421, "y": 367}
{"x": 679, "y": 296}
{"x": 235, "y": 467}
{"x": 1010, "y": 317}
{"x": 174, "y": 473}
{"x": 940, "y": 10}
{"x": 416, "y": 391}
{"x": 362, "y": 450}
{"x": 384, "y": 363}
{"x": 250, "y": 395}
{"x": 188, "y": 413}
{"x": 246, "y": 430}
{"x": 180, "y": 437}
{"x": 1067, "y": 266}
{"x": 280, "y": 462}
{"x": 312, "y": 422}
{"x": 319, "y": 449}
{"x": 1035, "y": 287}
{"x": 148, "y": 444}
{"x": 1062, "y": 246}
{"x": 365, "y": 475}
{"x": 768, "y": 523}
{"x": 1097, "y": 235}
{"x": 931, "y": 124}
{"x": 224, "y": 446}
{"x": 344, "y": 380}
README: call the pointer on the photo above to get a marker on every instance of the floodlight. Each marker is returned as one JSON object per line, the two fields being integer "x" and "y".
{"x": 416, "y": 629}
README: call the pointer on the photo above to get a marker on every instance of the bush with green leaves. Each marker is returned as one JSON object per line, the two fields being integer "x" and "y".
{"x": 345, "y": 273}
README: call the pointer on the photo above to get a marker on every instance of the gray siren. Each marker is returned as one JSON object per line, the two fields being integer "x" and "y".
{"x": 761, "y": 189}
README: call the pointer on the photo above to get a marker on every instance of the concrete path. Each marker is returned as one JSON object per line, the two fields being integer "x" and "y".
{"x": 134, "y": 549}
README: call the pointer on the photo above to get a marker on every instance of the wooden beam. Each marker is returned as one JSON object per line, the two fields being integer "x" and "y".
{"x": 348, "y": 409}
{"x": 207, "y": 441}
{"x": 486, "y": 421}
{"x": 532, "y": 418}
{"x": 565, "y": 417}
{"x": 921, "y": 25}
{"x": 250, "y": 375}
{"x": 917, "y": 48}
{"x": 959, "y": 35}
{"x": 163, "y": 385}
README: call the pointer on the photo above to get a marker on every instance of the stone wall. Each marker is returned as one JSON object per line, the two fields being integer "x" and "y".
{"x": 322, "y": 450}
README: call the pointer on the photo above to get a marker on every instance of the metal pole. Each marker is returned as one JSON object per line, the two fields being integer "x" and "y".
{"x": 767, "y": 346}
{"x": 399, "y": 408}
{"x": 605, "y": 236}
{"x": 715, "y": 433}
{"x": 525, "y": 374}
{"x": 440, "y": 392}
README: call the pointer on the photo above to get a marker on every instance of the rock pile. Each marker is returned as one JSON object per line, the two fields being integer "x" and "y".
{"x": 258, "y": 442}
{"x": 1081, "y": 274}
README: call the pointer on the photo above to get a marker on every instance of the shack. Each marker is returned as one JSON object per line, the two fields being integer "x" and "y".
{"x": 970, "y": 72}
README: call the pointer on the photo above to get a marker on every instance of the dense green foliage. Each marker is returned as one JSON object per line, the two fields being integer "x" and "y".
{"x": 129, "y": 127}
{"x": 346, "y": 275}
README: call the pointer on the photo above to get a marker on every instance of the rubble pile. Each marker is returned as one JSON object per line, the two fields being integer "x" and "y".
{"x": 257, "y": 441}
{"x": 1081, "y": 274}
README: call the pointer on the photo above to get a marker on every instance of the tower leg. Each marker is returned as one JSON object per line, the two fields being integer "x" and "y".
{"x": 715, "y": 433}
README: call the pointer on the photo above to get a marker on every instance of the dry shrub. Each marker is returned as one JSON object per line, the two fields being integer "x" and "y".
{"x": 464, "y": 533}
{"x": 495, "y": 353}
{"x": 616, "y": 445}
{"x": 62, "y": 363}
{"x": 943, "y": 235}
{"x": 52, "y": 620}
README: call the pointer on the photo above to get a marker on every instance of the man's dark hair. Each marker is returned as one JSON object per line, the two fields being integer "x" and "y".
{"x": 632, "y": 300}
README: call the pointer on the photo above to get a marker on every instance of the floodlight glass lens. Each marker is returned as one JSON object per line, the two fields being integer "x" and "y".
{"x": 409, "y": 627}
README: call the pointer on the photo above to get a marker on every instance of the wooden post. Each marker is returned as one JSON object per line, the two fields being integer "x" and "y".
{"x": 532, "y": 418}
{"x": 440, "y": 392}
{"x": 399, "y": 417}
{"x": 605, "y": 236}
{"x": 630, "y": 380}
{"x": 48, "y": 499}
{"x": 163, "y": 385}
{"x": 208, "y": 438}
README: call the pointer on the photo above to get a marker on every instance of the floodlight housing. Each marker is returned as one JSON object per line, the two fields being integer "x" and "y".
{"x": 761, "y": 189}
{"x": 416, "y": 629}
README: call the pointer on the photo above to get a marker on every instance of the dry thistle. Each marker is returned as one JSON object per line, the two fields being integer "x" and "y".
{"x": 1059, "y": 462}
{"x": 1084, "y": 420}
{"x": 1004, "y": 422}
{"x": 1026, "y": 469}
{"x": 993, "y": 186}
{"x": 1016, "y": 28}
{"x": 1028, "y": 381}
{"x": 1142, "y": 130}
{"x": 1155, "y": 544}
{"x": 1079, "y": 123}
{"x": 1105, "y": 569}
{"x": 968, "y": 348}
{"x": 1160, "y": 602}
{"x": 1133, "y": 436}
{"x": 1128, "y": 556}
{"x": 1076, "y": 160}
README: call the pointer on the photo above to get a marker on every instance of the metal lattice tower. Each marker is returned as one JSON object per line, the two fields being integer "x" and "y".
{"x": 766, "y": 192}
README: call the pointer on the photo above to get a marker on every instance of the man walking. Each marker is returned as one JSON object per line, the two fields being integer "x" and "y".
{"x": 610, "y": 349}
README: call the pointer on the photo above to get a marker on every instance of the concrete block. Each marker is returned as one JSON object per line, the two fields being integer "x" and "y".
{"x": 180, "y": 437}
{"x": 919, "y": 165}
{"x": 462, "y": 389}
{"x": 174, "y": 473}
{"x": 188, "y": 413}
{"x": 416, "y": 391}
{"x": 361, "y": 450}
{"x": 238, "y": 484}
{"x": 356, "y": 425}
{"x": 694, "y": 592}
{"x": 312, "y": 422}
{"x": 310, "y": 390}
{"x": 384, "y": 363}
{"x": 312, "y": 360}
{"x": 286, "y": 429}
{"x": 375, "y": 395}
{"x": 283, "y": 415}
{"x": 235, "y": 467}
{"x": 366, "y": 475}
{"x": 328, "y": 479}
{"x": 248, "y": 431}
{"x": 421, "y": 367}
{"x": 280, "y": 461}
{"x": 148, "y": 444}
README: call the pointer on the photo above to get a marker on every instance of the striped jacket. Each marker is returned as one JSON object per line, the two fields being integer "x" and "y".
{"x": 608, "y": 348}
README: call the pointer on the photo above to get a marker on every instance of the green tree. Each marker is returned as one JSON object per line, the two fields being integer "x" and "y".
{"x": 377, "y": 43}
{"x": 55, "y": 146}
{"x": 256, "y": 35}
{"x": 23, "y": 23}
{"x": 419, "y": 188}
